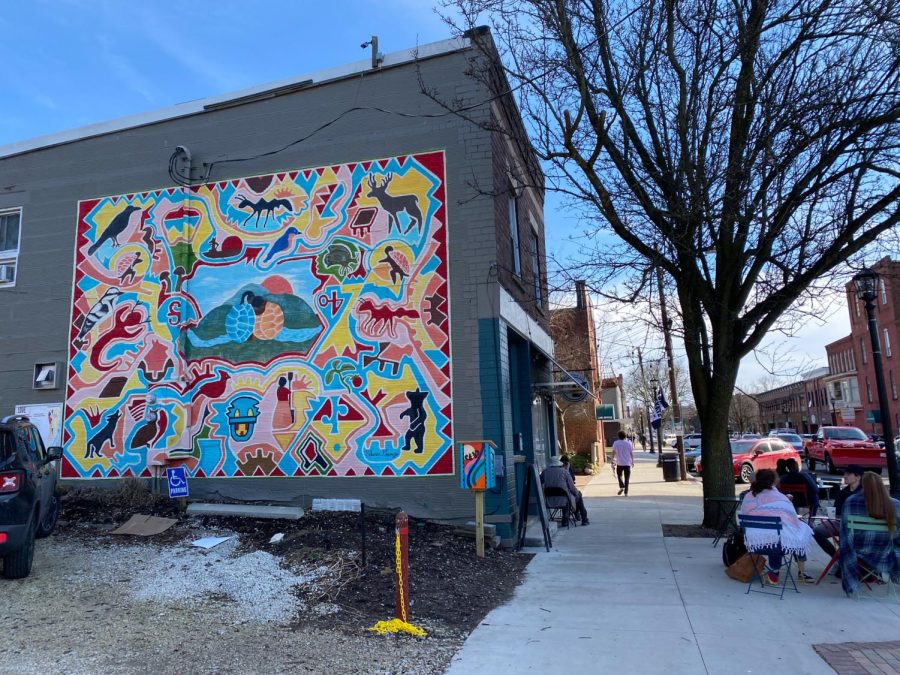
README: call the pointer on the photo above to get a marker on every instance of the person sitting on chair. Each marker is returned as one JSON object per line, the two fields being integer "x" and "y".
{"x": 781, "y": 468}
{"x": 826, "y": 529}
{"x": 557, "y": 476}
{"x": 879, "y": 550}
{"x": 794, "y": 476}
{"x": 580, "y": 511}
{"x": 764, "y": 499}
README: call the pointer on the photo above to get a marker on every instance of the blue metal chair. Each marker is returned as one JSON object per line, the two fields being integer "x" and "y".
{"x": 784, "y": 570}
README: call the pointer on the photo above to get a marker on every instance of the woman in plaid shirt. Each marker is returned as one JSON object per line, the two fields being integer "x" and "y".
{"x": 879, "y": 550}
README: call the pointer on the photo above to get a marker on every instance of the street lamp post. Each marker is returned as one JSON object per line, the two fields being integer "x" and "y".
{"x": 866, "y": 282}
{"x": 833, "y": 413}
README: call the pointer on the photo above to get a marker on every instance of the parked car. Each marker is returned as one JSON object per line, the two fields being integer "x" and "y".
{"x": 807, "y": 439}
{"x": 838, "y": 447}
{"x": 782, "y": 430}
{"x": 691, "y": 441}
{"x": 792, "y": 439}
{"x": 749, "y": 456}
{"x": 690, "y": 458}
{"x": 29, "y": 502}
{"x": 749, "y": 437}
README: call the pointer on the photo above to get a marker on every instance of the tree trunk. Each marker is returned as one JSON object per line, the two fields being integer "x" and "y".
{"x": 718, "y": 472}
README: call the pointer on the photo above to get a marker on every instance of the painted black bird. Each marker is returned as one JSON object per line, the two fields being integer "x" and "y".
{"x": 116, "y": 226}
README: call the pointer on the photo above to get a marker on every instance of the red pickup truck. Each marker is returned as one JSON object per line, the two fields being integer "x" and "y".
{"x": 838, "y": 447}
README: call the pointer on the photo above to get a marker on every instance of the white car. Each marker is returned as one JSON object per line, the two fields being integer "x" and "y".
{"x": 691, "y": 441}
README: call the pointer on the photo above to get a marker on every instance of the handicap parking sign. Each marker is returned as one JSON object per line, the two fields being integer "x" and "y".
{"x": 178, "y": 486}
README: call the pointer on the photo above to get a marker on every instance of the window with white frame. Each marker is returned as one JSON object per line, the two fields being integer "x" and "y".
{"x": 10, "y": 223}
{"x": 868, "y": 389}
{"x": 887, "y": 343}
{"x": 514, "y": 234}
{"x": 862, "y": 348}
{"x": 883, "y": 292}
{"x": 893, "y": 385}
{"x": 855, "y": 302}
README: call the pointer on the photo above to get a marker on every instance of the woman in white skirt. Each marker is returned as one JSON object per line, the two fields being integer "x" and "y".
{"x": 764, "y": 499}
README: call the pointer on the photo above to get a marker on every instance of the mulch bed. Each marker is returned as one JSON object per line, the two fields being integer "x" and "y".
{"x": 449, "y": 585}
{"x": 688, "y": 531}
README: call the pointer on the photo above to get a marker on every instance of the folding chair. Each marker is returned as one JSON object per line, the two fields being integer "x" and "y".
{"x": 836, "y": 542}
{"x": 767, "y": 523}
{"x": 557, "y": 500}
{"x": 867, "y": 524}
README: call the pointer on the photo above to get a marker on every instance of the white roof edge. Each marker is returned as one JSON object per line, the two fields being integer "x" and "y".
{"x": 197, "y": 106}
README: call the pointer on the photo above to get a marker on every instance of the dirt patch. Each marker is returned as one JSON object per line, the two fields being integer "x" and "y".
{"x": 450, "y": 588}
{"x": 688, "y": 531}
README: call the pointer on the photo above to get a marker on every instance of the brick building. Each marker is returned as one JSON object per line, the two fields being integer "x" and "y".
{"x": 852, "y": 383}
{"x": 575, "y": 343}
{"x": 291, "y": 291}
{"x": 845, "y": 393}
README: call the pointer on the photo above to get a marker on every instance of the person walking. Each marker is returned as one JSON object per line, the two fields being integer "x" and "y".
{"x": 623, "y": 456}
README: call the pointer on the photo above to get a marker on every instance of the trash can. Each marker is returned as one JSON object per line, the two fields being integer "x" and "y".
{"x": 670, "y": 467}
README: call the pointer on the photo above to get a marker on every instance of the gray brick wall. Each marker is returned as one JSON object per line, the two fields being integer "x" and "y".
{"x": 48, "y": 183}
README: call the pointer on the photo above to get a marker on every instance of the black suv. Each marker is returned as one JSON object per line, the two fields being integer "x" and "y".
{"x": 29, "y": 503}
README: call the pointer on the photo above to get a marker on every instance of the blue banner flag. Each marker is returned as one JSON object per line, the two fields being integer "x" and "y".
{"x": 656, "y": 415}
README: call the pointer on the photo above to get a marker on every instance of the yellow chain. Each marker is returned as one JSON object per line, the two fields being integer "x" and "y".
{"x": 399, "y": 563}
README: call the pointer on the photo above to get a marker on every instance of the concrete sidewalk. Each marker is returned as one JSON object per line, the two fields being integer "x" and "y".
{"x": 617, "y": 596}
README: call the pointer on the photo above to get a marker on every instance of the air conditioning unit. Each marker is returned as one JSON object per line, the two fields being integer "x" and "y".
{"x": 7, "y": 274}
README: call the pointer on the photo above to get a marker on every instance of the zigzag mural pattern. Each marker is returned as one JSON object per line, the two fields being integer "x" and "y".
{"x": 293, "y": 324}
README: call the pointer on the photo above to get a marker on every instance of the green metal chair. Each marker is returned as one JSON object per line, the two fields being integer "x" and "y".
{"x": 868, "y": 524}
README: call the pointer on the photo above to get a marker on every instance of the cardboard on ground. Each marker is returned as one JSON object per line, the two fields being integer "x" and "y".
{"x": 145, "y": 526}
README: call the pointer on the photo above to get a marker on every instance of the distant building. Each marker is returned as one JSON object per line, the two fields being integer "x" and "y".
{"x": 575, "y": 347}
{"x": 845, "y": 392}
{"x": 852, "y": 383}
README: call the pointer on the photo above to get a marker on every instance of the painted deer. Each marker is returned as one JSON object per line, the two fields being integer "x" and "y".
{"x": 396, "y": 204}
{"x": 383, "y": 317}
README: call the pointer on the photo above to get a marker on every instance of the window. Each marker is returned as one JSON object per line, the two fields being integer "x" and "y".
{"x": 855, "y": 302}
{"x": 883, "y": 291}
{"x": 887, "y": 343}
{"x": 514, "y": 234}
{"x": 862, "y": 348}
{"x": 9, "y": 246}
{"x": 868, "y": 389}
{"x": 893, "y": 385}
{"x": 536, "y": 271}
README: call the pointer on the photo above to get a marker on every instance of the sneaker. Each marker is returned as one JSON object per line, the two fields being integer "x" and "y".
{"x": 772, "y": 578}
{"x": 586, "y": 522}
{"x": 804, "y": 578}
{"x": 621, "y": 490}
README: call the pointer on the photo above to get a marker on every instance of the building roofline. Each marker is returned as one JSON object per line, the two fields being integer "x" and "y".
{"x": 258, "y": 92}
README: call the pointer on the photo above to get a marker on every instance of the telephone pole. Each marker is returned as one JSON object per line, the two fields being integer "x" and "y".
{"x": 676, "y": 408}
{"x": 644, "y": 401}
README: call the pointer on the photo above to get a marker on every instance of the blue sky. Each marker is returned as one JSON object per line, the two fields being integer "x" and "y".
{"x": 69, "y": 63}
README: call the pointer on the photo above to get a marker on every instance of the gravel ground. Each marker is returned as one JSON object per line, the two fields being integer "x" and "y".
{"x": 110, "y": 605}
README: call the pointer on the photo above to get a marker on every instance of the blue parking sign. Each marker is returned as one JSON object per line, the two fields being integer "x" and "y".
{"x": 178, "y": 485}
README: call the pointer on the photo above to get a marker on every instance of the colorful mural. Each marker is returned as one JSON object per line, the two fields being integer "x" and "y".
{"x": 285, "y": 325}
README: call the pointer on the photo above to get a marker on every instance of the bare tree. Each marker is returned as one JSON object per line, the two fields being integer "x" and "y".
{"x": 743, "y": 414}
{"x": 749, "y": 149}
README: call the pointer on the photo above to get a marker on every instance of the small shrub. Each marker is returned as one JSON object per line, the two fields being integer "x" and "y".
{"x": 580, "y": 463}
